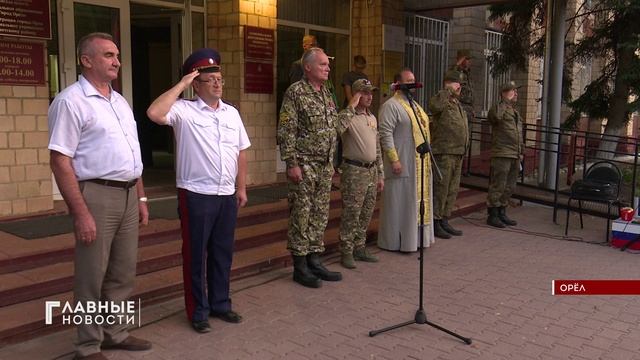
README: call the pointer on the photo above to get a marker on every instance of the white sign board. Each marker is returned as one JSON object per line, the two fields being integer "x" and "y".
{"x": 392, "y": 38}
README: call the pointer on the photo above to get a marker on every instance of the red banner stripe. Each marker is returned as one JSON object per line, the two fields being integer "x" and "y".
{"x": 595, "y": 287}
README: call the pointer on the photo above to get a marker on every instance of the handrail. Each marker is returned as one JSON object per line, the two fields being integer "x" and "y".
{"x": 573, "y": 148}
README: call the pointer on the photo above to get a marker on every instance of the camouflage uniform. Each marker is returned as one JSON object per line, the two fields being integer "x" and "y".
{"x": 359, "y": 191}
{"x": 307, "y": 137}
{"x": 506, "y": 148}
{"x": 449, "y": 143}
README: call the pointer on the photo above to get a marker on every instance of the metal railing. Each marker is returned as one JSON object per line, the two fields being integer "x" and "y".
{"x": 573, "y": 151}
{"x": 426, "y": 49}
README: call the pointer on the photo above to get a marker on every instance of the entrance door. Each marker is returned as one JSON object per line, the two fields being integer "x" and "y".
{"x": 81, "y": 17}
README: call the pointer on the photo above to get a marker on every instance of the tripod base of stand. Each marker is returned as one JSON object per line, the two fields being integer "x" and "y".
{"x": 420, "y": 318}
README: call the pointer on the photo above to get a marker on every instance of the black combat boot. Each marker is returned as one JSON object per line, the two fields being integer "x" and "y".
{"x": 502, "y": 215}
{"x": 493, "y": 218}
{"x": 302, "y": 275}
{"x": 317, "y": 269}
{"x": 448, "y": 228}
{"x": 438, "y": 231}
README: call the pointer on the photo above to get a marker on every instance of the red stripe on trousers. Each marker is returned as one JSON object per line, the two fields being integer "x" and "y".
{"x": 189, "y": 302}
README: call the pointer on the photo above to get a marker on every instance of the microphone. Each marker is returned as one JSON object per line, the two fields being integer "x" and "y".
{"x": 416, "y": 85}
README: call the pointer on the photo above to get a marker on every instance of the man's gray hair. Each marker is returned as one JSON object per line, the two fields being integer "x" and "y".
{"x": 310, "y": 55}
{"x": 85, "y": 41}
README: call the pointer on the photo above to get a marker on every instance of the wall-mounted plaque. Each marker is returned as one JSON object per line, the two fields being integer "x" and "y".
{"x": 25, "y": 18}
{"x": 258, "y": 43}
{"x": 258, "y": 77}
{"x": 21, "y": 63}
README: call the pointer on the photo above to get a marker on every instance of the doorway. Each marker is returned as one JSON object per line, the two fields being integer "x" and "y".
{"x": 155, "y": 46}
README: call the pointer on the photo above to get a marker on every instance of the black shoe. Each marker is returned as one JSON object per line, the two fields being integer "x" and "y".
{"x": 493, "y": 219}
{"x": 302, "y": 275}
{"x": 201, "y": 326}
{"x": 502, "y": 215}
{"x": 448, "y": 228}
{"x": 438, "y": 231}
{"x": 317, "y": 269}
{"x": 229, "y": 316}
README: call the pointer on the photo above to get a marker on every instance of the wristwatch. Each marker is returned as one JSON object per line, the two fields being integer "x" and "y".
{"x": 143, "y": 199}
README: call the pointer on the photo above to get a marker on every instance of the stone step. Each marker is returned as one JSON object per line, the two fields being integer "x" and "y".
{"x": 25, "y": 320}
{"x": 55, "y": 278}
{"x": 260, "y": 246}
{"x": 157, "y": 232}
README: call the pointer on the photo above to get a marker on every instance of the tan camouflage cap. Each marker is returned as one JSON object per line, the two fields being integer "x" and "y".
{"x": 362, "y": 85}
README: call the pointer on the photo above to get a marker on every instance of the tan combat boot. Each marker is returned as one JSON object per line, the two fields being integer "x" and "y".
{"x": 363, "y": 254}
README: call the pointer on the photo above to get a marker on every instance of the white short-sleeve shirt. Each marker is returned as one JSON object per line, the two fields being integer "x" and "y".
{"x": 98, "y": 133}
{"x": 208, "y": 143}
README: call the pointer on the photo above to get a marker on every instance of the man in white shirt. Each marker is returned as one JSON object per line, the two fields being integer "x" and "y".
{"x": 95, "y": 158}
{"x": 211, "y": 179}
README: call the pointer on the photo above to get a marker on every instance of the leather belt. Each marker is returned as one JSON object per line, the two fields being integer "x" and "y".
{"x": 359, "y": 163}
{"x": 115, "y": 183}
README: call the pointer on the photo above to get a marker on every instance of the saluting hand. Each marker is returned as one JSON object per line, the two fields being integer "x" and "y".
{"x": 188, "y": 79}
{"x": 355, "y": 100}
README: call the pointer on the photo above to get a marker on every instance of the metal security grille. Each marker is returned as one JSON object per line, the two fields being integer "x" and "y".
{"x": 493, "y": 41}
{"x": 425, "y": 49}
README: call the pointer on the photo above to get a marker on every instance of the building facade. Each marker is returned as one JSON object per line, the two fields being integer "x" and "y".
{"x": 257, "y": 39}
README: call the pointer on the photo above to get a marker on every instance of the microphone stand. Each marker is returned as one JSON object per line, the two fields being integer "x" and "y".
{"x": 421, "y": 316}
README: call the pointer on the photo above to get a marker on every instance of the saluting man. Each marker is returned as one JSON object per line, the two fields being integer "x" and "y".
{"x": 507, "y": 149}
{"x": 211, "y": 179}
{"x": 450, "y": 140}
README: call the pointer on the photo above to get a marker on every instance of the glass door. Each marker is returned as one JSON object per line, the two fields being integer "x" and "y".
{"x": 81, "y": 17}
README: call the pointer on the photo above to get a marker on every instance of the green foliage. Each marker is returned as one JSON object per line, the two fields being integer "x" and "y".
{"x": 612, "y": 35}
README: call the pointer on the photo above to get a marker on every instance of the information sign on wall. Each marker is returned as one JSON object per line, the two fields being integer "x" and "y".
{"x": 25, "y": 18}
{"x": 21, "y": 63}
{"x": 258, "y": 60}
{"x": 258, "y": 77}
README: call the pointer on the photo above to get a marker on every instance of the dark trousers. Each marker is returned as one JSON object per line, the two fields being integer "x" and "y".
{"x": 208, "y": 223}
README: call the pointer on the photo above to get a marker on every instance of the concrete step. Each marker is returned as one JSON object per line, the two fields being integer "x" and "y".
{"x": 260, "y": 246}
{"x": 157, "y": 232}
{"x": 25, "y": 320}
{"x": 51, "y": 279}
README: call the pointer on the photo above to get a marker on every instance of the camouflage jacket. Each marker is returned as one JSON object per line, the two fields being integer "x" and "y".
{"x": 506, "y": 131}
{"x": 466, "y": 95}
{"x": 307, "y": 125}
{"x": 449, "y": 127}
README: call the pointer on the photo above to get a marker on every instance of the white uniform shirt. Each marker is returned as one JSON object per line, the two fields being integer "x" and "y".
{"x": 98, "y": 133}
{"x": 208, "y": 144}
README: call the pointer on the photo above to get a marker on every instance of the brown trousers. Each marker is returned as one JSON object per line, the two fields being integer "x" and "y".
{"x": 105, "y": 270}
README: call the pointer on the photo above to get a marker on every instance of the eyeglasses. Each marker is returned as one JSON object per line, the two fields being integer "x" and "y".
{"x": 212, "y": 81}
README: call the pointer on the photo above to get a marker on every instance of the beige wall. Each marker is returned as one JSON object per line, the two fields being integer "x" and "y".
{"x": 25, "y": 177}
{"x": 226, "y": 20}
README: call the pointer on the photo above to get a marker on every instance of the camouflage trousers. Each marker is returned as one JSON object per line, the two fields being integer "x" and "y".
{"x": 358, "y": 187}
{"x": 502, "y": 182}
{"x": 309, "y": 208}
{"x": 445, "y": 191}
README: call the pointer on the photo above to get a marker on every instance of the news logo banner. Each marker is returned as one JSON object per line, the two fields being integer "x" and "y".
{"x": 595, "y": 287}
{"x": 93, "y": 312}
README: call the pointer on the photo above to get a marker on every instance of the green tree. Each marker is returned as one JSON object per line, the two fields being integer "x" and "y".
{"x": 612, "y": 34}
